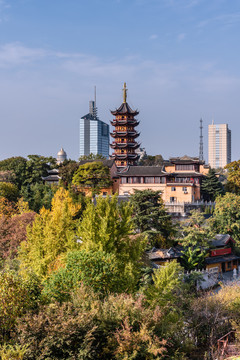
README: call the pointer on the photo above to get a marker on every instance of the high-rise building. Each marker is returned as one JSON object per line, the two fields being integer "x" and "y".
{"x": 124, "y": 134}
{"x": 219, "y": 145}
{"x": 94, "y": 133}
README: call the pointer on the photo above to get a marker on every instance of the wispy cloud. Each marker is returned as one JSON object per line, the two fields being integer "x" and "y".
{"x": 4, "y": 5}
{"x": 181, "y": 37}
{"x": 153, "y": 37}
{"x": 14, "y": 54}
{"x": 223, "y": 19}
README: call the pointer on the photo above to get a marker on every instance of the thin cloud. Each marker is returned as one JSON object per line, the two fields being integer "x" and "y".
{"x": 14, "y": 54}
{"x": 224, "y": 19}
{"x": 153, "y": 37}
{"x": 181, "y": 37}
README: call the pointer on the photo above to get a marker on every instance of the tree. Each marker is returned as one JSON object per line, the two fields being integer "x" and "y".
{"x": 211, "y": 186}
{"x": 152, "y": 160}
{"x": 193, "y": 231}
{"x": 38, "y": 195}
{"x": 151, "y": 217}
{"x": 192, "y": 257}
{"x": 9, "y": 191}
{"x": 14, "y": 301}
{"x": 226, "y": 217}
{"x": 16, "y": 165}
{"x": 92, "y": 175}
{"x": 233, "y": 178}
{"x": 166, "y": 282}
{"x": 52, "y": 234}
{"x": 13, "y": 232}
{"x": 109, "y": 227}
{"x": 92, "y": 157}
{"x": 36, "y": 168}
{"x": 67, "y": 170}
{"x": 97, "y": 269}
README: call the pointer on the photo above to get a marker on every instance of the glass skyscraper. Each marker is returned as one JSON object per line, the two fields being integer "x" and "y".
{"x": 94, "y": 134}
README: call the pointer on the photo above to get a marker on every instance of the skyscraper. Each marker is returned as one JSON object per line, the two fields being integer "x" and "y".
{"x": 219, "y": 145}
{"x": 94, "y": 133}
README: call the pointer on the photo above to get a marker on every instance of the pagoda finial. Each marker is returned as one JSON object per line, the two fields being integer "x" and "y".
{"x": 124, "y": 93}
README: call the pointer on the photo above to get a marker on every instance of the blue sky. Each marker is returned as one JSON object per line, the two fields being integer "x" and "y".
{"x": 180, "y": 59}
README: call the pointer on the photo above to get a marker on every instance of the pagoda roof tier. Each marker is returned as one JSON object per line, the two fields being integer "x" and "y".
{"x": 132, "y": 145}
{"x": 132, "y": 122}
{"x": 132, "y": 134}
{"x": 125, "y": 156}
{"x": 124, "y": 109}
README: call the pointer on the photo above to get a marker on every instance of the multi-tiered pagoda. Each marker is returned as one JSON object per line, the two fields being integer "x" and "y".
{"x": 124, "y": 134}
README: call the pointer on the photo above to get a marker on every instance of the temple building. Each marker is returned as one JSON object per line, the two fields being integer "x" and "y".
{"x": 124, "y": 134}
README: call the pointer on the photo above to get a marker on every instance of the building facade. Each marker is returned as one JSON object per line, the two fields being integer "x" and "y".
{"x": 219, "y": 145}
{"x": 93, "y": 134}
{"x": 124, "y": 134}
{"x": 179, "y": 179}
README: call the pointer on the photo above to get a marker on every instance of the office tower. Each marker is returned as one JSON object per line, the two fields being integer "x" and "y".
{"x": 94, "y": 133}
{"x": 219, "y": 145}
{"x": 124, "y": 134}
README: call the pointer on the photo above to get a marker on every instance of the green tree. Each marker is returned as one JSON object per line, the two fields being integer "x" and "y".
{"x": 192, "y": 257}
{"x": 226, "y": 217}
{"x": 97, "y": 269}
{"x": 67, "y": 170}
{"x": 9, "y": 191}
{"x": 38, "y": 195}
{"x": 15, "y": 300}
{"x": 17, "y": 165}
{"x": 51, "y": 235}
{"x": 194, "y": 231}
{"x": 109, "y": 227}
{"x": 152, "y": 160}
{"x": 233, "y": 177}
{"x": 92, "y": 157}
{"x": 150, "y": 217}
{"x": 92, "y": 175}
{"x": 36, "y": 168}
{"x": 211, "y": 186}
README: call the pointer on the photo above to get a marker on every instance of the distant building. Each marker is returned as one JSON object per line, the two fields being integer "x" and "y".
{"x": 93, "y": 134}
{"x": 219, "y": 145}
{"x": 61, "y": 156}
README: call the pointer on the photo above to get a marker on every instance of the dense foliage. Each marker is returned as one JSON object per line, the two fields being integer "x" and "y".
{"x": 75, "y": 282}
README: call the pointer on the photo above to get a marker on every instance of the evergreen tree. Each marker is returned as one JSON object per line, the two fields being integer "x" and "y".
{"x": 211, "y": 186}
{"x": 92, "y": 175}
{"x": 151, "y": 217}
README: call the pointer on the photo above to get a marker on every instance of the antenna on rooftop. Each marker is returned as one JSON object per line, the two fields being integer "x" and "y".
{"x": 95, "y": 102}
{"x": 201, "y": 141}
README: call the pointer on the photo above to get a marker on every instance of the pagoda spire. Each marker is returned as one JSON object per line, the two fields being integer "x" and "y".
{"x": 124, "y": 93}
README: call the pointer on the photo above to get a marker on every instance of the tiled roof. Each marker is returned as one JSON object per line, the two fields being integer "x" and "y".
{"x": 142, "y": 171}
{"x": 171, "y": 253}
{"x": 220, "y": 259}
{"x": 124, "y": 109}
{"x": 221, "y": 240}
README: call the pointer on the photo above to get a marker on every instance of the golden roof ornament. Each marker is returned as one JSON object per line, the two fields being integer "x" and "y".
{"x": 124, "y": 93}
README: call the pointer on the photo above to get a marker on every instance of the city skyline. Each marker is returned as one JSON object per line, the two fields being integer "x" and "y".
{"x": 179, "y": 60}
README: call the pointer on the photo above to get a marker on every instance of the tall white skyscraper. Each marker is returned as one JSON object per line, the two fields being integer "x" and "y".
{"x": 219, "y": 145}
{"x": 94, "y": 134}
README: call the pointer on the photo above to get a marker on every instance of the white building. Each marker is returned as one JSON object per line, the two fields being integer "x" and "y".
{"x": 219, "y": 145}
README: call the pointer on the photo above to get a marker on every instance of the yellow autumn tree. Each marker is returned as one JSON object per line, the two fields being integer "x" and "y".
{"x": 51, "y": 235}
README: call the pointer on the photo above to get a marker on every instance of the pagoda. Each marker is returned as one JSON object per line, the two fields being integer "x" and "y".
{"x": 124, "y": 134}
